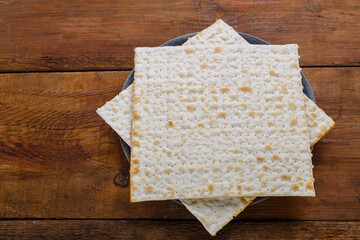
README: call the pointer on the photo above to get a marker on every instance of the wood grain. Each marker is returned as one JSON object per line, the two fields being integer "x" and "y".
{"x": 40, "y": 35}
{"x": 59, "y": 159}
{"x": 143, "y": 229}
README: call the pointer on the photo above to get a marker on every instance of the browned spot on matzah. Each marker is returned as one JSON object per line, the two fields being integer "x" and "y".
{"x": 136, "y": 99}
{"x": 295, "y": 186}
{"x": 135, "y": 143}
{"x": 211, "y": 188}
{"x": 293, "y": 122}
{"x": 169, "y": 153}
{"x": 218, "y": 49}
{"x": 149, "y": 188}
{"x": 245, "y": 88}
{"x": 292, "y": 105}
{"x": 285, "y": 176}
{"x": 135, "y": 161}
{"x": 191, "y": 107}
{"x": 224, "y": 89}
{"x": 239, "y": 189}
{"x": 222, "y": 114}
{"x": 204, "y": 64}
{"x": 273, "y": 73}
{"x": 135, "y": 170}
{"x": 266, "y": 167}
{"x": 136, "y": 116}
{"x": 309, "y": 185}
{"x": 170, "y": 124}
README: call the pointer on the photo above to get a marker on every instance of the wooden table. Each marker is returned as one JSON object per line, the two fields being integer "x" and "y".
{"x": 62, "y": 171}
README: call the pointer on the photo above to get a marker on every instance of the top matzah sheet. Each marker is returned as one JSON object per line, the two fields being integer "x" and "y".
{"x": 189, "y": 140}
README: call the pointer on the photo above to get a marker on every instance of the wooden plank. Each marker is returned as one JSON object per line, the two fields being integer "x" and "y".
{"x": 40, "y": 35}
{"x": 147, "y": 229}
{"x": 59, "y": 159}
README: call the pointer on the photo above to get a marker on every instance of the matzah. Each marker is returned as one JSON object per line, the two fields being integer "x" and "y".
{"x": 217, "y": 33}
{"x": 118, "y": 113}
{"x": 199, "y": 208}
{"x": 319, "y": 123}
{"x": 214, "y": 214}
{"x": 187, "y": 123}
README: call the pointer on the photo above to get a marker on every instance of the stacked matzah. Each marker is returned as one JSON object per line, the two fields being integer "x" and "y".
{"x": 250, "y": 144}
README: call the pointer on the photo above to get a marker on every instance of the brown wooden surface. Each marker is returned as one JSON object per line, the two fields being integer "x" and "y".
{"x": 59, "y": 160}
{"x": 40, "y": 35}
{"x": 145, "y": 229}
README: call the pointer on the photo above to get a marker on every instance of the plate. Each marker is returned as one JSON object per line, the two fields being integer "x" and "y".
{"x": 182, "y": 39}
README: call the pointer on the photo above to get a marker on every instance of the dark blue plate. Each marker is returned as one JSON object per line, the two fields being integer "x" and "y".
{"x": 182, "y": 39}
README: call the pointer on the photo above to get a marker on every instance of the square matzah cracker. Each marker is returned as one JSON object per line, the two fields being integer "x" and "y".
{"x": 189, "y": 138}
